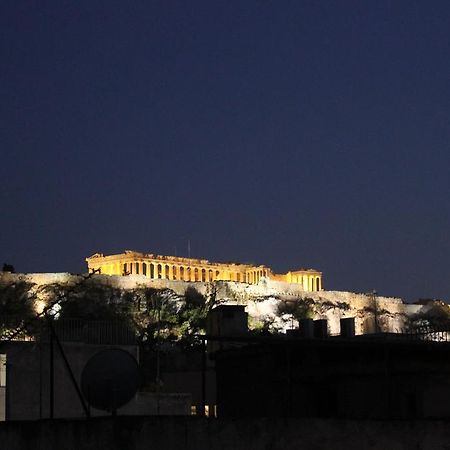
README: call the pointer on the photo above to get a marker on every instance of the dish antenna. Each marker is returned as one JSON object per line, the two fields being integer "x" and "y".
{"x": 110, "y": 379}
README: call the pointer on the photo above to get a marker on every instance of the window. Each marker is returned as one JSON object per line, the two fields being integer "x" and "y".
{"x": 2, "y": 370}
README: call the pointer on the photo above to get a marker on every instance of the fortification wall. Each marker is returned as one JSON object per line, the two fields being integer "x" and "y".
{"x": 372, "y": 314}
{"x": 262, "y": 300}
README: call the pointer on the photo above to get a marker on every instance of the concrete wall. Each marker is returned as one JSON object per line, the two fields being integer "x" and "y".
{"x": 2, "y": 403}
{"x": 28, "y": 378}
{"x": 152, "y": 404}
{"x": 170, "y": 433}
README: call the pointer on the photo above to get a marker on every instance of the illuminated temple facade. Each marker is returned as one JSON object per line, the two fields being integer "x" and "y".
{"x": 190, "y": 269}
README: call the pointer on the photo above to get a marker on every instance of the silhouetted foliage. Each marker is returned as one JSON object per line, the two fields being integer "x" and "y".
{"x": 16, "y": 299}
{"x": 192, "y": 315}
{"x": 155, "y": 317}
{"x": 92, "y": 300}
{"x": 193, "y": 298}
{"x": 16, "y": 305}
{"x": 300, "y": 309}
{"x": 8, "y": 268}
{"x": 261, "y": 327}
{"x": 436, "y": 317}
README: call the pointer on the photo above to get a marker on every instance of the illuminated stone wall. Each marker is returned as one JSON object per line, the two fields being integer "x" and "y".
{"x": 261, "y": 300}
{"x": 200, "y": 270}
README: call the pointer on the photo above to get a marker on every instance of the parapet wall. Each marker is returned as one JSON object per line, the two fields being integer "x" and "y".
{"x": 189, "y": 433}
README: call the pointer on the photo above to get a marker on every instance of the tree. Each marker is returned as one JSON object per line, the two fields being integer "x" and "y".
{"x": 193, "y": 314}
{"x": 162, "y": 315}
{"x": 91, "y": 300}
{"x": 155, "y": 314}
{"x": 300, "y": 309}
{"x": 8, "y": 268}
{"x": 16, "y": 306}
{"x": 435, "y": 317}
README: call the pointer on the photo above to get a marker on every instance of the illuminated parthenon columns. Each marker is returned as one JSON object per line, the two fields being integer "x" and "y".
{"x": 196, "y": 270}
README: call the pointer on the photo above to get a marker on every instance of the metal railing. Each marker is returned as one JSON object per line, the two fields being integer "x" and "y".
{"x": 429, "y": 333}
{"x": 112, "y": 332}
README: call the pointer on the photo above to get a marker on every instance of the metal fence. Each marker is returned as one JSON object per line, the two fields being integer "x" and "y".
{"x": 70, "y": 330}
{"x": 435, "y": 334}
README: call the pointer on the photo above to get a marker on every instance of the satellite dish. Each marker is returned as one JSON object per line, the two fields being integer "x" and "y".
{"x": 110, "y": 379}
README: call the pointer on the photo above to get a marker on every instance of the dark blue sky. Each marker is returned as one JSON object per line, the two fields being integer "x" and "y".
{"x": 289, "y": 133}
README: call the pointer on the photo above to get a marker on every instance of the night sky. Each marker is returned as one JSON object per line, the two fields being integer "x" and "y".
{"x": 287, "y": 133}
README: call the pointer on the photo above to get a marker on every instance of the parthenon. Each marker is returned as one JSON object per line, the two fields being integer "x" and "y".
{"x": 192, "y": 270}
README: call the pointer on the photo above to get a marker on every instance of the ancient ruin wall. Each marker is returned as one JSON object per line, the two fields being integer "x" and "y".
{"x": 262, "y": 300}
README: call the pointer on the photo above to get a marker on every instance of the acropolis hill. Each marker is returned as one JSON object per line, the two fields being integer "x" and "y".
{"x": 268, "y": 297}
{"x": 256, "y": 286}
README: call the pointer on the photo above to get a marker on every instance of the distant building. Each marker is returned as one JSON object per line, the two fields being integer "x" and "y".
{"x": 190, "y": 269}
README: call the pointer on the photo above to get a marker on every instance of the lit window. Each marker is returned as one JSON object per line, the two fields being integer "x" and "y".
{"x": 2, "y": 370}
